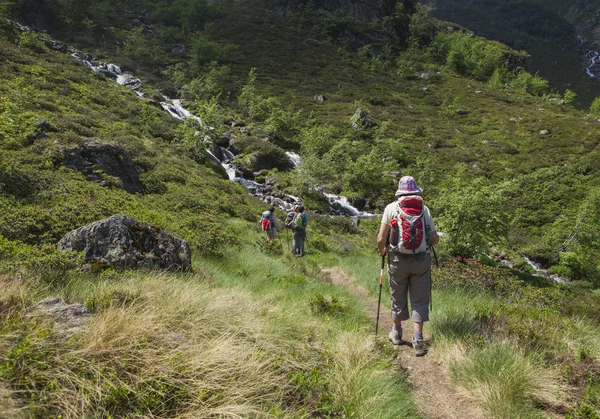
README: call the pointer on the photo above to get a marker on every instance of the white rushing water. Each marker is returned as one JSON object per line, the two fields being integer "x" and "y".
{"x": 541, "y": 272}
{"x": 294, "y": 158}
{"x": 344, "y": 203}
{"x": 593, "y": 58}
{"x": 177, "y": 110}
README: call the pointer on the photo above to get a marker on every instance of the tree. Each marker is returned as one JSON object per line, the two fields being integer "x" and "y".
{"x": 595, "y": 107}
{"x": 472, "y": 216}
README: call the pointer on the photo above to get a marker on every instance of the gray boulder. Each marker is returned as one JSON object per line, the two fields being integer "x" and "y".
{"x": 120, "y": 242}
{"x": 94, "y": 158}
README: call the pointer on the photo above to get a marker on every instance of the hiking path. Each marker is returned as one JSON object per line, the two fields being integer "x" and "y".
{"x": 427, "y": 376}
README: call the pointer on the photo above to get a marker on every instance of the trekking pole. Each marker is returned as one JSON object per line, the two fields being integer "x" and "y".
{"x": 380, "y": 287}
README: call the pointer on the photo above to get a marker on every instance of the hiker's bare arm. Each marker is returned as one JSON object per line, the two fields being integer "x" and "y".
{"x": 435, "y": 238}
{"x": 382, "y": 238}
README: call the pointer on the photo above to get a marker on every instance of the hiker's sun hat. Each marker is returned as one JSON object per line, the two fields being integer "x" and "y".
{"x": 408, "y": 186}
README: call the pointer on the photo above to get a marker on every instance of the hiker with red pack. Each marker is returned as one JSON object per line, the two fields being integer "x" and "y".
{"x": 407, "y": 232}
{"x": 268, "y": 223}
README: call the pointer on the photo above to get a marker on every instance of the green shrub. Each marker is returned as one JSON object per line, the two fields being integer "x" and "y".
{"x": 321, "y": 304}
{"x": 595, "y": 106}
{"x": 533, "y": 84}
{"x": 471, "y": 216}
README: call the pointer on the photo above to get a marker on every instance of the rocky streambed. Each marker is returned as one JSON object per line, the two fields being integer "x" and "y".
{"x": 222, "y": 152}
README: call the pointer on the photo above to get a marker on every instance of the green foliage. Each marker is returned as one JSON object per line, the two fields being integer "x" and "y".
{"x": 569, "y": 98}
{"x": 467, "y": 55}
{"x": 595, "y": 107}
{"x": 213, "y": 82}
{"x": 472, "y": 216}
{"x": 506, "y": 379}
{"x": 321, "y": 304}
{"x": 422, "y": 27}
{"x": 141, "y": 49}
{"x": 533, "y": 84}
{"x": 204, "y": 51}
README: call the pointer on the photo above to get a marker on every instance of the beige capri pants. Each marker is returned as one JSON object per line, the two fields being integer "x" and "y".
{"x": 410, "y": 274}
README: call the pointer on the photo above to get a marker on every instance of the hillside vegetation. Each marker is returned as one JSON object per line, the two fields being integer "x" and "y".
{"x": 547, "y": 30}
{"x": 509, "y": 170}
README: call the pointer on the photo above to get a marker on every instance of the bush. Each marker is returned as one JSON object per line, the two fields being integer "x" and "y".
{"x": 595, "y": 107}
{"x": 321, "y": 304}
{"x": 472, "y": 216}
{"x": 533, "y": 84}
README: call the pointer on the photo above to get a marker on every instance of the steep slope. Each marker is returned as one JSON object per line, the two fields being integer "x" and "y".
{"x": 546, "y": 30}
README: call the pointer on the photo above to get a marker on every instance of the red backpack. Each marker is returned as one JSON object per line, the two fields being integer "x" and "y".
{"x": 408, "y": 233}
{"x": 265, "y": 224}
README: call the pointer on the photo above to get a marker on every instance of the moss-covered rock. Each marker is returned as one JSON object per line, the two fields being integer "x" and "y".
{"x": 257, "y": 155}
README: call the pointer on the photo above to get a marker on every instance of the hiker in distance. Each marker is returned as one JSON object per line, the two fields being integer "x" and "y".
{"x": 407, "y": 231}
{"x": 268, "y": 223}
{"x": 298, "y": 225}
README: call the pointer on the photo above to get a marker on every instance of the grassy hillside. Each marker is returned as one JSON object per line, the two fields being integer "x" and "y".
{"x": 254, "y": 332}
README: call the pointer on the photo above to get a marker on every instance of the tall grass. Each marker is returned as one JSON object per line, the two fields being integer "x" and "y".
{"x": 180, "y": 348}
{"x": 236, "y": 339}
{"x": 502, "y": 380}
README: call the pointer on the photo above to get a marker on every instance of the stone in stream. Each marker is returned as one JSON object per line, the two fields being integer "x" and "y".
{"x": 120, "y": 242}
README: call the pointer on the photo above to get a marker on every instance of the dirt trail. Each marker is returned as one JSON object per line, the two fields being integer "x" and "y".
{"x": 429, "y": 379}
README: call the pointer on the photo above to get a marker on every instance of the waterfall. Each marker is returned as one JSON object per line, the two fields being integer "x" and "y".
{"x": 294, "y": 158}
{"x": 176, "y": 109}
{"x": 343, "y": 202}
{"x": 541, "y": 272}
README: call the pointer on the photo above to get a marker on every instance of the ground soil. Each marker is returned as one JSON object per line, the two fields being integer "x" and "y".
{"x": 428, "y": 377}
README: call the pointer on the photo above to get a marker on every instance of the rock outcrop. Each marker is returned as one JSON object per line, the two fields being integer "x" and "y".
{"x": 120, "y": 242}
{"x": 94, "y": 159}
{"x": 69, "y": 318}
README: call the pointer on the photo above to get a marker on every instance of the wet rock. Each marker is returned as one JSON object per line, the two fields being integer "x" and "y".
{"x": 56, "y": 46}
{"x": 223, "y": 141}
{"x": 130, "y": 81}
{"x": 69, "y": 318}
{"x": 120, "y": 242}
{"x": 95, "y": 158}
{"x": 216, "y": 164}
{"x": 179, "y": 49}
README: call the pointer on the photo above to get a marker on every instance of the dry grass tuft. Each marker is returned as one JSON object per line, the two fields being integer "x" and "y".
{"x": 182, "y": 348}
{"x": 501, "y": 379}
{"x": 362, "y": 390}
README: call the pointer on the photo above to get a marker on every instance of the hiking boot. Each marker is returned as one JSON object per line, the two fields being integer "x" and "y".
{"x": 420, "y": 347}
{"x": 395, "y": 336}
